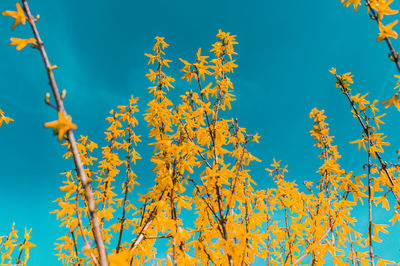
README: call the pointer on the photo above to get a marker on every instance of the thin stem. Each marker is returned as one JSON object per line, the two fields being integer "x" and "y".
{"x": 388, "y": 42}
{"x": 371, "y": 253}
{"x": 288, "y": 237}
{"x": 150, "y": 219}
{"x": 78, "y": 217}
{"x": 126, "y": 185}
{"x": 111, "y": 147}
{"x": 307, "y": 251}
{"x": 77, "y": 160}
{"x": 205, "y": 251}
{"x": 268, "y": 242}
{"x": 208, "y": 206}
{"x": 383, "y": 164}
{"x": 353, "y": 261}
{"x": 75, "y": 247}
{"x": 240, "y": 168}
{"x": 20, "y": 253}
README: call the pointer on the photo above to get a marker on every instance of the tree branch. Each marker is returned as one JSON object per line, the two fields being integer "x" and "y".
{"x": 71, "y": 138}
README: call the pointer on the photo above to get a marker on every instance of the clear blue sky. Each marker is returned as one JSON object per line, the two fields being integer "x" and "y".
{"x": 285, "y": 51}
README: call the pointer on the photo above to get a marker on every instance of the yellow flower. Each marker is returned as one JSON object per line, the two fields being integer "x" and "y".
{"x": 61, "y": 126}
{"x": 382, "y": 7}
{"x": 21, "y": 43}
{"x": 386, "y": 31}
{"x": 4, "y": 118}
{"x": 256, "y": 137}
{"x": 355, "y": 3}
{"x": 119, "y": 259}
{"x": 393, "y": 100}
{"x": 69, "y": 188}
{"x": 19, "y": 15}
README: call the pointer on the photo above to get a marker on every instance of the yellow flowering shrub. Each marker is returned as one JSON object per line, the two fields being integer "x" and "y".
{"x": 201, "y": 166}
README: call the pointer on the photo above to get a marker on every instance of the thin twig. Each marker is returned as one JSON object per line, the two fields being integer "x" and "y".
{"x": 307, "y": 251}
{"x": 20, "y": 253}
{"x": 383, "y": 164}
{"x": 140, "y": 236}
{"x": 158, "y": 237}
{"x": 389, "y": 43}
{"x": 371, "y": 253}
{"x": 126, "y": 185}
{"x": 75, "y": 247}
{"x": 77, "y": 160}
{"x": 78, "y": 217}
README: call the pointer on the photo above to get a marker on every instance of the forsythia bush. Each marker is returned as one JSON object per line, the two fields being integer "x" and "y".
{"x": 201, "y": 166}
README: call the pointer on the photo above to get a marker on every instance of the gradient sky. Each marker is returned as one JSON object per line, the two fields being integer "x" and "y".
{"x": 285, "y": 51}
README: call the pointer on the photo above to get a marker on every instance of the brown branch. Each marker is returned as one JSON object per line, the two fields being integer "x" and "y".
{"x": 173, "y": 215}
{"x": 20, "y": 253}
{"x": 75, "y": 247}
{"x": 388, "y": 42}
{"x": 353, "y": 261}
{"x": 240, "y": 168}
{"x": 191, "y": 139}
{"x": 202, "y": 97}
{"x": 77, "y": 160}
{"x": 268, "y": 242}
{"x": 126, "y": 185}
{"x": 371, "y": 253}
{"x": 307, "y": 251}
{"x": 212, "y": 130}
{"x": 141, "y": 234}
{"x": 290, "y": 251}
{"x": 201, "y": 155}
{"x": 315, "y": 243}
{"x": 384, "y": 167}
{"x": 247, "y": 215}
{"x": 150, "y": 219}
{"x": 78, "y": 217}
{"x": 111, "y": 146}
{"x": 205, "y": 251}
{"x": 383, "y": 164}
{"x": 208, "y": 206}
{"x": 217, "y": 186}
{"x": 158, "y": 237}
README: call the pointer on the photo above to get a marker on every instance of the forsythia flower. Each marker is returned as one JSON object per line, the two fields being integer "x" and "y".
{"x": 4, "y": 118}
{"x": 21, "y": 43}
{"x": 119, "y": 259}
{"x": 10, "y": 245}
{"x": 355, "y": 3}
{"x": 393, "y": 100}
{"x": 61, "y": 126}
{"x": 386, "y": 31}
{"x": 19, "y": 15}
{"x": 382, "y": 7}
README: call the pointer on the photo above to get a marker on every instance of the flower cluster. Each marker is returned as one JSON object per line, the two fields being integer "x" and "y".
{"x": 9, "y": 247}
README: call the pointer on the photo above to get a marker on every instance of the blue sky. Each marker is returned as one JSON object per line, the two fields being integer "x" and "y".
{"x": 285, "y": 51}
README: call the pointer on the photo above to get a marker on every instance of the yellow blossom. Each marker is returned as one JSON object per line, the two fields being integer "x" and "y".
{"x": 4, "y": 118}
{"x": 18, "y": 15}
{"x": 355, "y": 3}
{"x": 21, "y": 43}
{"x": 393, "y": 100}
{"x": 62, "y": 125}
{"x": 382, "y": 7}
{"x": 119, "y": 259}
{"x": 387, "y": 31}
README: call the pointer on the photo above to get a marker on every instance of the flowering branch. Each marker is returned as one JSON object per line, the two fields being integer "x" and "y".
{"x": 393, "y": 52}
{"x": 71, "y": 138}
